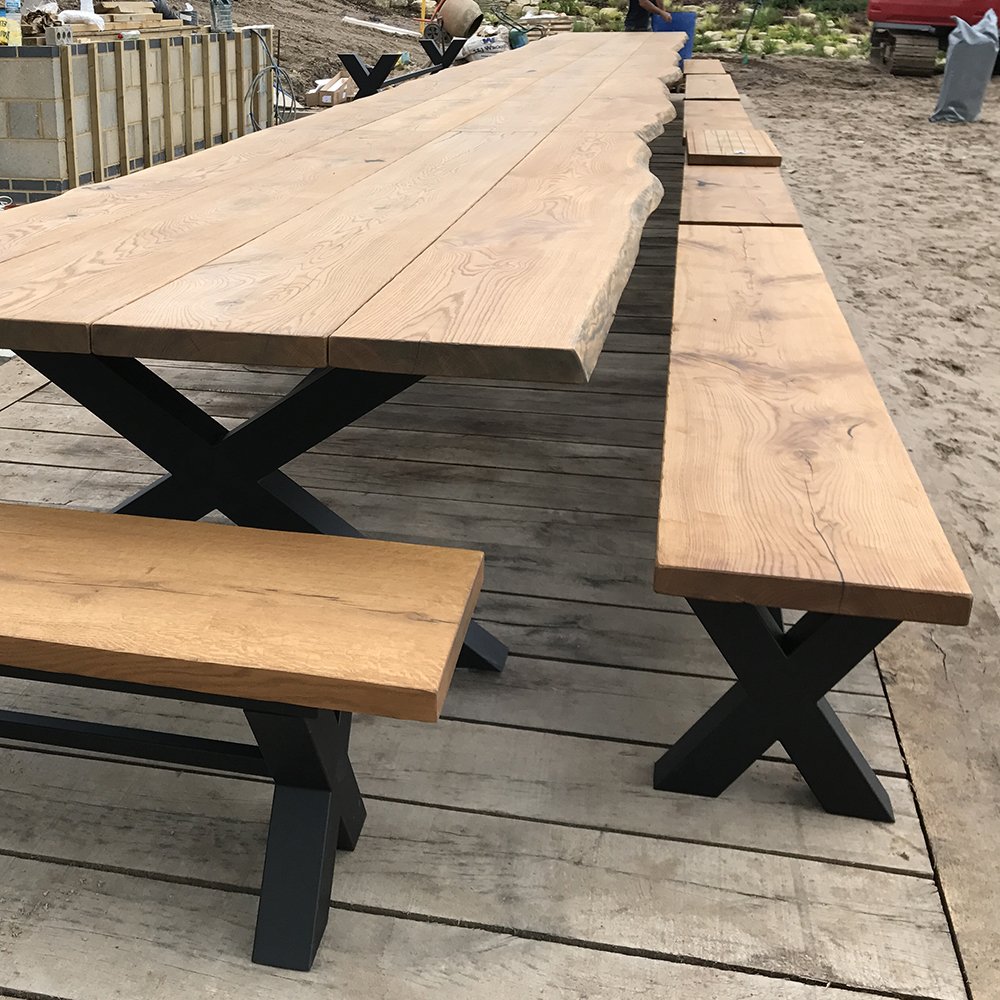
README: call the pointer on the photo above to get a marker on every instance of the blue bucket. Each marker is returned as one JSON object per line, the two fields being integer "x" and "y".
{"x": 682, "y": 20}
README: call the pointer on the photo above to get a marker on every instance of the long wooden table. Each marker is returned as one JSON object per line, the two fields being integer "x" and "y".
{"x": 481, "y": 222}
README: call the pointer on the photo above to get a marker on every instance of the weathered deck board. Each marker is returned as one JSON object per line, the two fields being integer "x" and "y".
{"x": 69, "y": 928}
{"x": 589, "y": 886}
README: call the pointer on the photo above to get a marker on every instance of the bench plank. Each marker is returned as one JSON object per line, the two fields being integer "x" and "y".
{"x": 731, "y": 147}
{"x": 741, "y": 196}
{"x": 714, "y": 114}
{"x": 707, "y": 87}
{"x": 697, "y": 66}
{"x": 312, "y": 620}
{"x": 784, "y": 480}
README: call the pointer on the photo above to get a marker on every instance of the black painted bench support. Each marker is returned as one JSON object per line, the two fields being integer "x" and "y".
{"x": 317, "y": 808}
{"x": 236, "y": 472}
{"x": 782, "y": 679}
{"x": 371, "y": 79}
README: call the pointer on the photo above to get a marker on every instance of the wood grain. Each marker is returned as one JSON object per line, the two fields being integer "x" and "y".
{"x": 697, "y": 66}
{"x": 272, "y": 230}
{"x": 67, "y": 935}
{"x": 526, "y": 284}
{"x": 303, "y": 619}
{"x": 731, "y": 147}
{"x": 784, "y": 481}
{"x": 714, "y": 114}
{"x": 709, "y": 87}
{"x": 741, "y": 196}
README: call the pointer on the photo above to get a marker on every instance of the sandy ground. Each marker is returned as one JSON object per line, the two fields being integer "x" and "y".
{"x": 904, "y": 215}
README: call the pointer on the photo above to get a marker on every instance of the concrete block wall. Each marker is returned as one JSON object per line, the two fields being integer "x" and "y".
{"x": 90, "y": 112}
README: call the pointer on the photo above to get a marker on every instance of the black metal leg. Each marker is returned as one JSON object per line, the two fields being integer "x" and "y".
{"x": 369, "y": 78}
{"x": 236, "y": 472}
{"x": 442, "y": 58}
{"x": 782, "y": 678}
{"x": 316, "y": 805}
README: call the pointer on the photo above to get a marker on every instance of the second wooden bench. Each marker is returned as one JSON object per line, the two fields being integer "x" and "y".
{"x": 297, "y": 630}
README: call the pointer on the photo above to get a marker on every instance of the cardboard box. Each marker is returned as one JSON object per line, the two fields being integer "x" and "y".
{"x": 336, "y": 90}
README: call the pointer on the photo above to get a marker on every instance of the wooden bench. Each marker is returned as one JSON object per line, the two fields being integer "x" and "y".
{"x": 784, "y": 486}
{"x": 297, "y": 630}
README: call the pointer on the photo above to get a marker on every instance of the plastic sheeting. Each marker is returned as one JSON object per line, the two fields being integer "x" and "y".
{"x": 972, "y": 54}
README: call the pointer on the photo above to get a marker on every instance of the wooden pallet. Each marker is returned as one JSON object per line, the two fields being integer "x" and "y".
{"x": 732, "y": 147}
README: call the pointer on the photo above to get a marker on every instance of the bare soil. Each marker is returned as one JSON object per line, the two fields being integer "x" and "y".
{"x": 904, "y": 215}
{"x": 313, "y": 33}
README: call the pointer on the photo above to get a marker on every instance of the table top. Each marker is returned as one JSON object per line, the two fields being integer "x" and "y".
{"x": 479, "y": 222}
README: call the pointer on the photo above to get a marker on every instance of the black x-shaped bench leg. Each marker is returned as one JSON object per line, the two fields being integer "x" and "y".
{"x": 235, "y": 472}
{"x": 782, "y": 680}
{"x": 316, "y": 809}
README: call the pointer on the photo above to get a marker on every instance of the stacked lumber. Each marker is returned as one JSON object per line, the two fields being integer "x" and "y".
{"x": 123, "y": 15}
{"x": 551, "y": 22}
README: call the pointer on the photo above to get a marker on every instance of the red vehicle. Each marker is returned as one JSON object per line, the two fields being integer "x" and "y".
{"x": 907, "y": 34}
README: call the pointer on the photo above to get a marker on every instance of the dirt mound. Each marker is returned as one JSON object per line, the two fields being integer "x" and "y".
{"x": 313, "y": 33}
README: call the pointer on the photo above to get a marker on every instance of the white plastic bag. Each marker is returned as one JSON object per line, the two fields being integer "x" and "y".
{"x": 972, "y": 54}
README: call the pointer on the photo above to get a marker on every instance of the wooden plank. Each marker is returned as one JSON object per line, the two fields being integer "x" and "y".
{"x": 241, "y": 85}
{"x": 944, "y": 690}
{"x": 701, "y": 65}
{"x": 738, "y": 196}
{"x": 66, "y": 75}
{"x": 731, "y": 147}
{"x": 166, "y": 241}
{"x": 708, "y": 87}
{"x": 256, "y": 98}
{"x": 584, "y": 332}
{"x": 124, "y": 164}
{"x": 187, "y": 61}
{"x": 539, "y": 307}
{"x": 646, "y": 707}
{"x": 144, "y": 86}
{"x": 92, "y": 209}
{"x": 96, "y": 125}
{"x": 784, "y": 480}
{"x": 17, "y": 381}
{"x": 714, "y": 114}
{"x": 377, "y": 226}
{"x": 168, "y": 102}
{"x": 283, "y": 191}
{"x": 225, "y": 97}
{"x": 454, "y": 763}
{"x": 206, "y": 86}
{"x": 180, "y": 605}
{"x": 72, "y": 926}
{"x": 589, "y": 887}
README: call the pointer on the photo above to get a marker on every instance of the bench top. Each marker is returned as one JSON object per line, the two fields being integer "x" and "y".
{"x": 479, "y": 222}
{"x": 311, "y": 620}
{"x": 736, "y": 196}
{"x": 711, "y": 87}
{"x": 701, "y": 65}
{"x": 784, "y": 481}
{"x": 714, "y": 114}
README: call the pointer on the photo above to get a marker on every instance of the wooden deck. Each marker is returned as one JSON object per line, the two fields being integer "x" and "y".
{"x": 517, "y": 849}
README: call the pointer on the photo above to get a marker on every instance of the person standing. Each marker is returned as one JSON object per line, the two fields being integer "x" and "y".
{"x": 641, "y": 13}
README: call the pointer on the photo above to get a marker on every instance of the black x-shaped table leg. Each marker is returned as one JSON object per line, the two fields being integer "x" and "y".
{"x": 782, "y": 680}
{"x": 235, "y": 472}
